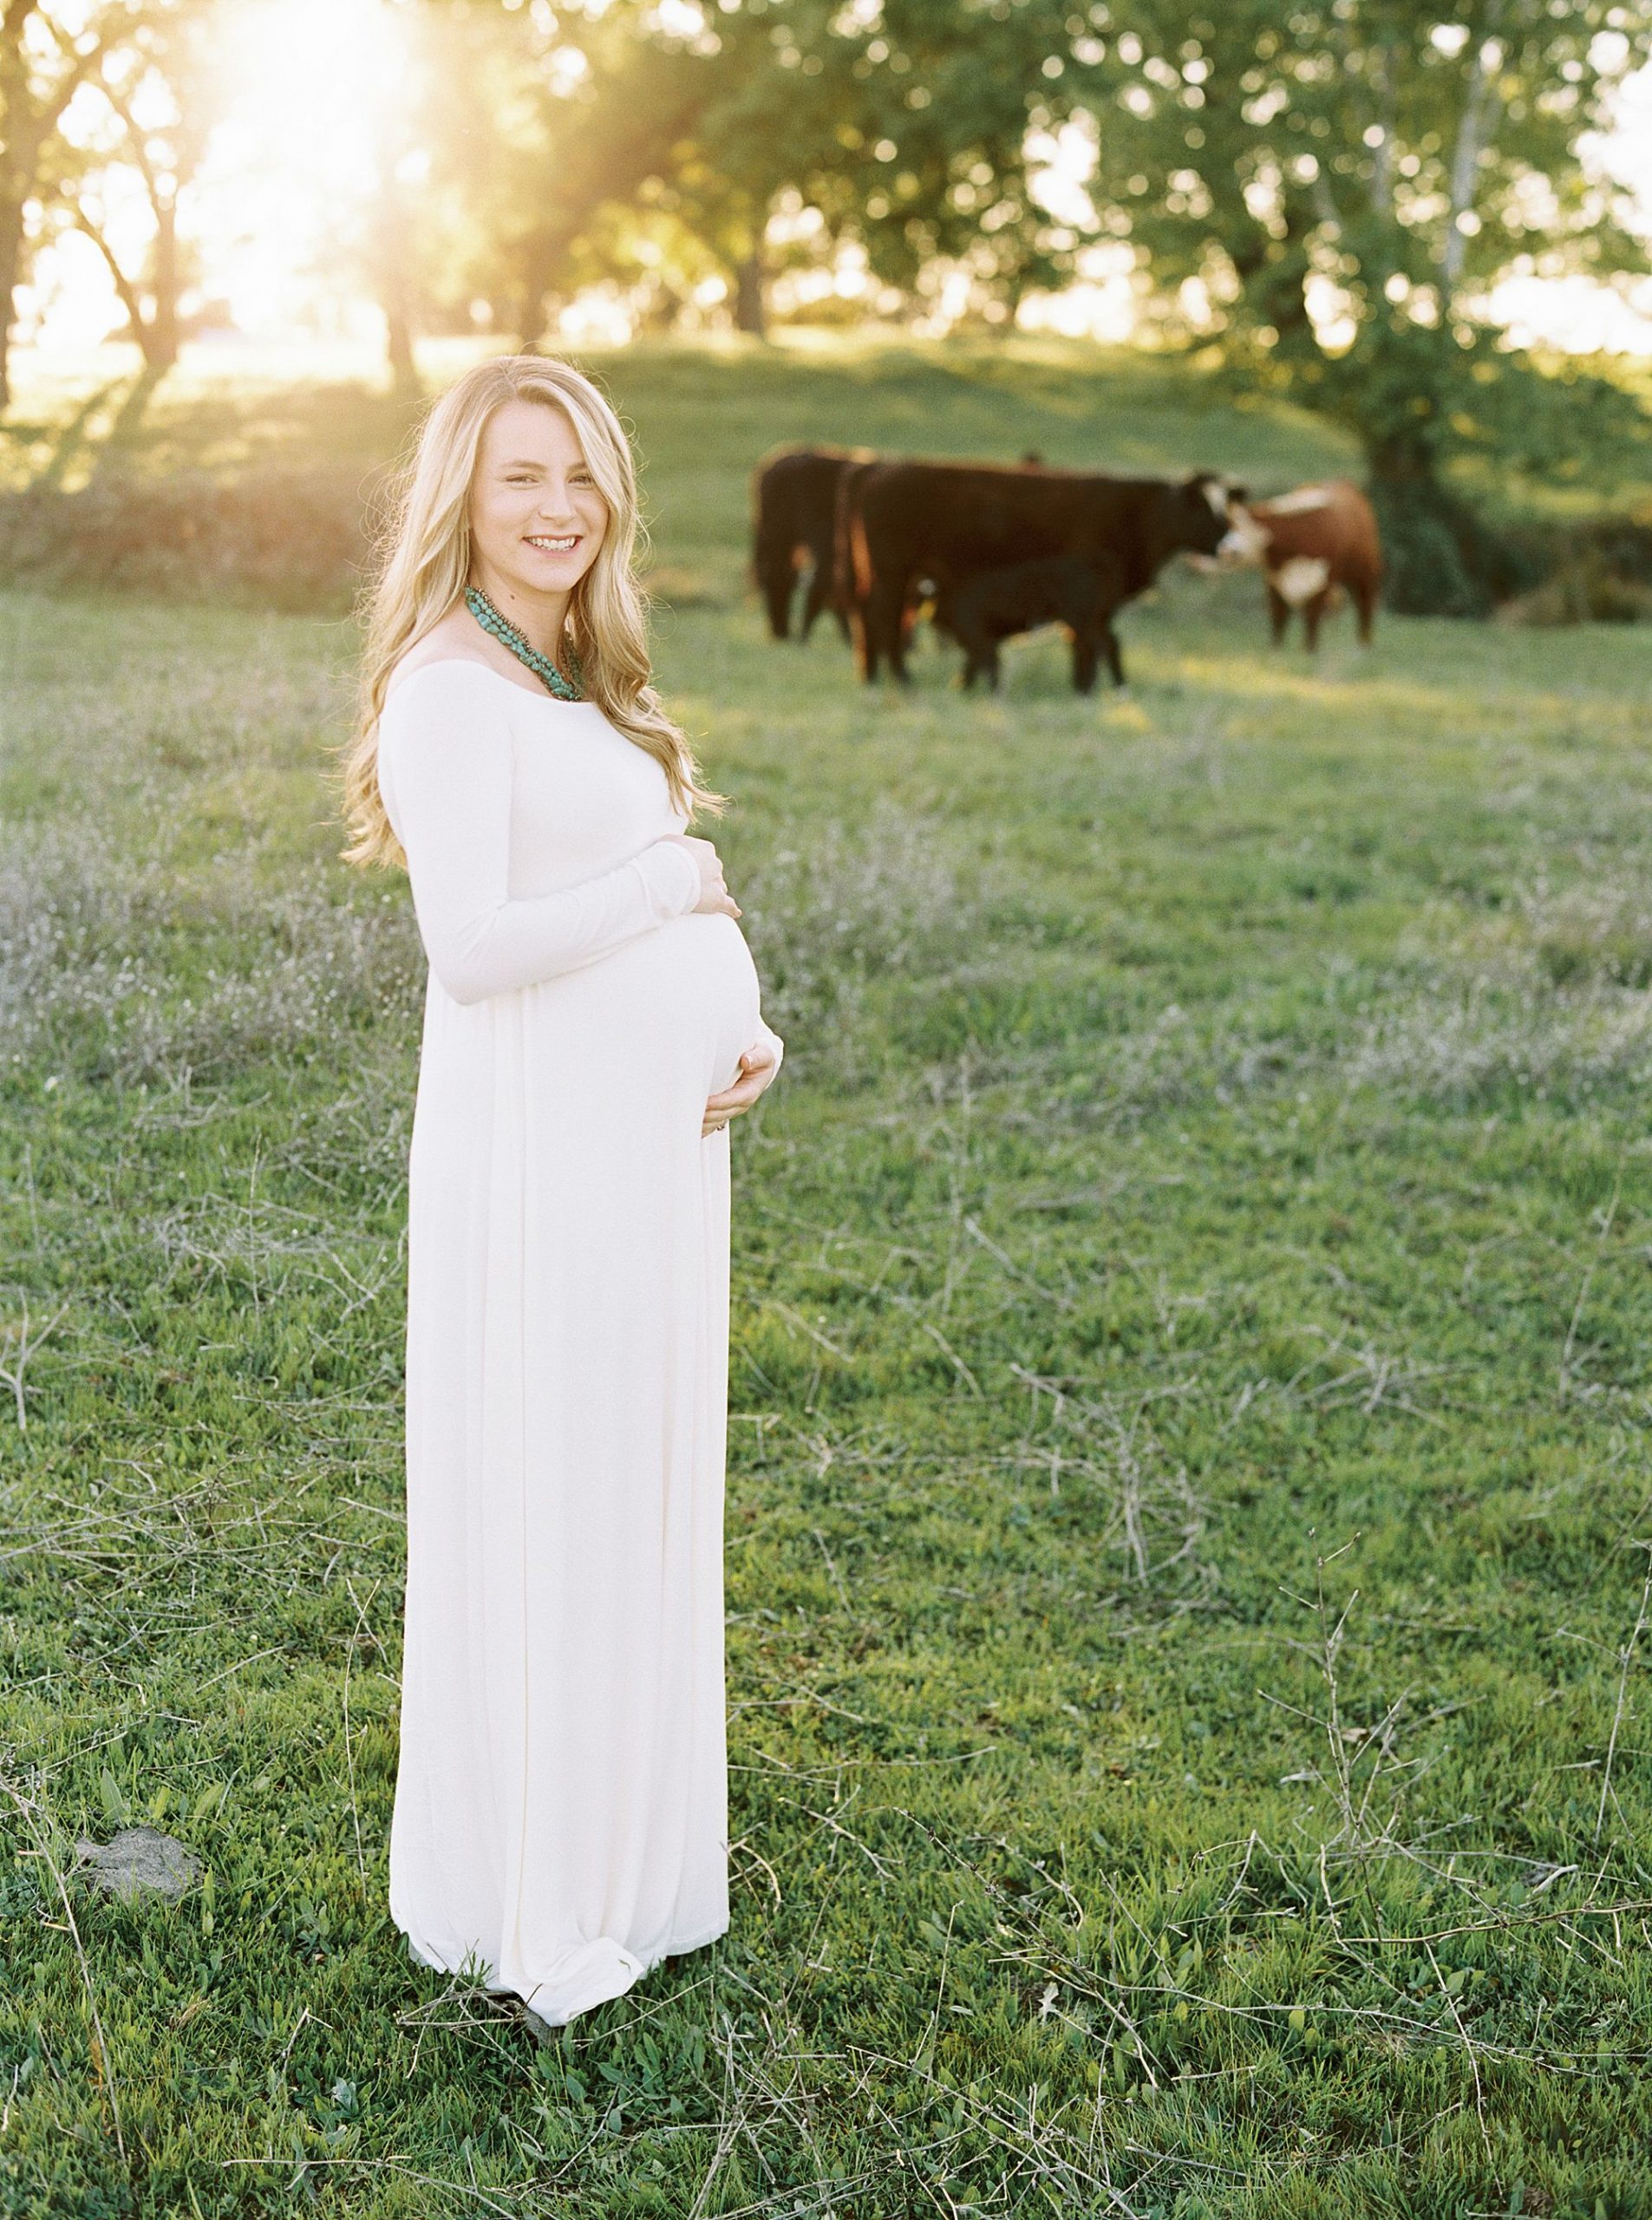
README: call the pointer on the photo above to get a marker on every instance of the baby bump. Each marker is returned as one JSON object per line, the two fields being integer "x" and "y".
{"x": 716, "y": 977}
{"x": 687, "y": 994}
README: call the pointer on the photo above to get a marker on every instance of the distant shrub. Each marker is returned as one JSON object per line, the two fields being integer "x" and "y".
{"x": 287, "y": 539}
{"x": 1442, "y": 558}
{"x": 1601, "y": 575}
{"x": 1424, "y": 570}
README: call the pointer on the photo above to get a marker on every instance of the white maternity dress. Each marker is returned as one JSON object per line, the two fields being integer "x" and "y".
{"x": 560, "y": 1817}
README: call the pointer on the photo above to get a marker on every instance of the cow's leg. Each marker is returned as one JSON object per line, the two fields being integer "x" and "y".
{"x": 862, "y": 639}
{"x": 822, "y": 550}
{"x": 1115, "y": 659}
{"x": 885, "y": 616}
{"x": 994, "y": 666}
{"x": 1364, "y": 593}
{"x": 1313, "y": 609}
{"x": 815, "y": 600}
{"x": 1278, "y": 614}
{"x": 778, "y": 578}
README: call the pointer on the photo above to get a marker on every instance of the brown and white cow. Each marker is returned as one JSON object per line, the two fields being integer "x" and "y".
{"x": 1311, "y": 545}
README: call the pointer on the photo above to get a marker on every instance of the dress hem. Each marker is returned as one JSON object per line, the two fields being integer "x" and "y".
{"x": 644, "y": 1966}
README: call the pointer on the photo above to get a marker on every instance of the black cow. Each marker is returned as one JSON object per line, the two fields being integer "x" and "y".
{"x": 949, "y": 521}
{"x": 994, "y": 605}
{"x": 794, "y": 520}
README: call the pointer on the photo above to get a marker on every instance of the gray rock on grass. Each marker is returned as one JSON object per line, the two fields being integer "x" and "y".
{"x": 139, "y": 1861}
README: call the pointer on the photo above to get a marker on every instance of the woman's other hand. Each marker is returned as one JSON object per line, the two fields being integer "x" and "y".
{"x": 714, "y": 896}
{"x": 757, "y": 1069}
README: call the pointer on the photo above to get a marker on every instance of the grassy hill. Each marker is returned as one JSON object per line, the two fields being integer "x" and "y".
{"x": 236, "y": 486}
{"x": 1188, "y": 1507}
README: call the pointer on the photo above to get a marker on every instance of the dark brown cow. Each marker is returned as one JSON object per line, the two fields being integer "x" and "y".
{"x": 794, "y": 520}
{"x": 1311, "y": 543}
{"x": 949, "y": 521}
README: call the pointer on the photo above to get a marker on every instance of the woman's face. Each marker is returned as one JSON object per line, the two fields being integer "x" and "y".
{"x": 535, "y": 517}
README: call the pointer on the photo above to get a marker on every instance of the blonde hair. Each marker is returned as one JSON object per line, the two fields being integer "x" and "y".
{"x": 424, "y": 564}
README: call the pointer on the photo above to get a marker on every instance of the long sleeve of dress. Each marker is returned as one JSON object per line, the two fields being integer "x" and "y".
{"x": 445, "y": 775}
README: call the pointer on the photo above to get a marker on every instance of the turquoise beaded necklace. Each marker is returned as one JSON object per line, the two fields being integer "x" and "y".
{"x": 565, "y": 689}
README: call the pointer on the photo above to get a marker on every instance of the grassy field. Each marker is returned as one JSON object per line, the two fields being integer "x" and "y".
{"x": 1190, "y": 1519}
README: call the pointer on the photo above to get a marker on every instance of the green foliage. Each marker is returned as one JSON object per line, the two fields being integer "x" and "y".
{"x": 1346, "y": 184}
{"x": 1209, "y": 1179}
{"x": 629, "y": 146}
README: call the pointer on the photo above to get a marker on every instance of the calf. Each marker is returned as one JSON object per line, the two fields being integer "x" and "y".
{"x": 794, "y": 495}
{"x": 949, "y": 521}
{"x": 994, "y": 605}
{"x": 1311, "y": 545}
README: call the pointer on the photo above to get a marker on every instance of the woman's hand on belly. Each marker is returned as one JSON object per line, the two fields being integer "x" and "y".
{"x": 758, "y": 1066}
{"x": 714, "y": 896}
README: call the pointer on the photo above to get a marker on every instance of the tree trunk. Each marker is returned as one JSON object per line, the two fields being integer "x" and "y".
{"x": 1404, "y": 461}
{"x": 751, "y": 308}
{"x": 391, "y": 249}
{"x": 160, "y": 335}
{"x": 398, "y": 340}
{"x": 10, "y": 272}
{"x": 541, "y": 260}
{"x": 30, "y": 120}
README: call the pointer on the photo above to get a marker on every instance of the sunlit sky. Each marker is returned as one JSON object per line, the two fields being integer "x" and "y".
{"x": 302, "y": 86}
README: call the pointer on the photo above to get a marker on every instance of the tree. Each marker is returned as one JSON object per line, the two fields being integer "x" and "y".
{"x": 48, "y": 51}
{"x": 937, "y": 179}
{"x": 542, "y": 128}
{"x": 152, "y": 94}
{"x": 1336, "y": 188}
{"x": 905, "y": 123}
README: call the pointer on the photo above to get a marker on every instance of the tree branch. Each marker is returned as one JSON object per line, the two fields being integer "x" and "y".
{"x": 17, "y": 13}
{"x": 123, "y": 284}
{"x": 1382, "y": 156}
{"x": 137, "y": 149}
{"x": 1471, "y": 138}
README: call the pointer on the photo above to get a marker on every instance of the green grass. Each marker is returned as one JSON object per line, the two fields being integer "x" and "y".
{"x": 1210, "y": 1175}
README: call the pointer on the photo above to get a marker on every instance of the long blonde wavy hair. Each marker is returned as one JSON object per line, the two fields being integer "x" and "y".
{"x": 424, "y": 566}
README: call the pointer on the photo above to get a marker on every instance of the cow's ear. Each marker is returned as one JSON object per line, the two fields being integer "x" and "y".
{"x": 1241, "y": 494}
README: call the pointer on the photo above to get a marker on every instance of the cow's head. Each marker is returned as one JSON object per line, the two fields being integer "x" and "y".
{"x": 1245, "y": 541}
{"x": 1250, "y": 534}
{"x": 1193, "y": 516}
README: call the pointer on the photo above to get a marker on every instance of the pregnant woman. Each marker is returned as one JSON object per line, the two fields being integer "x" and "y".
{"x": 592, "y": 1025}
